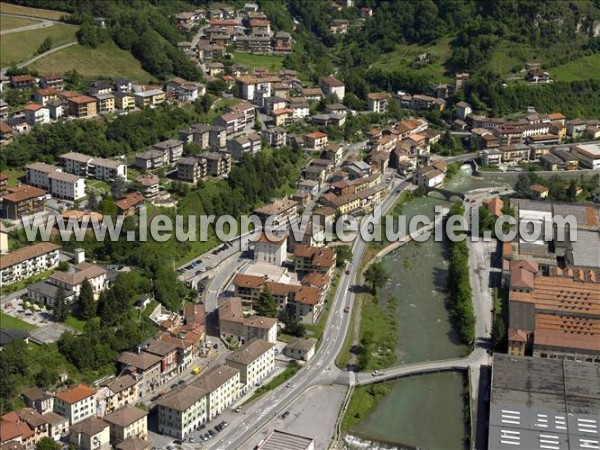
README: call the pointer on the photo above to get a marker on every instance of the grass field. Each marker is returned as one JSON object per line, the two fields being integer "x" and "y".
{"x": 10, "y": 23}
{"x": 17, "y": 47}
{"x": 12, "y": 323}
{"x": 107, "y": 60}
{"x": 13, "y": 176}
{"x": 9, "y": 8}
{"x": 252, "y": 61}
{"x": 405, "y": 55}
{"x": 75, "y": 323}
{"x": 584, "y": 68}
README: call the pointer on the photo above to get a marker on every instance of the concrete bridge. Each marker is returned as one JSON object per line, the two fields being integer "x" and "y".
{"x": 474, "y": 361}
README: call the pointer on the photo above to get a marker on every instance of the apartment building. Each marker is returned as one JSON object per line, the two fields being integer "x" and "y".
{"x": 275, "y": 137}
{"x": 150, "y": 185}
{"x": 218, "y": 164}
{"x": 168, "y": 357}
{"x": 149, "y": 98}
{"x": 106, "y": 103}
{"x": 123, "y": 390}
{"x": 222, "y": 383}
{"x": 22, "y": 200}
{"x": 271, "y": 251}
{"x": 299, "y": 106}
{"x": 76, "y": 403}
{"x": 124, "y": 100}
{"x": 331, "y": 85}
{"x": 233, "y": 122}
{"x": 191, "y": 169}
{"x": 151, "y": 159}
{"x": 37, "y": 174}
{"x": 279, "y": 211}
{"x": 248, "y": 111}
{"x": 315, "y": 140}
{"x": 28, "y": 261}
{"x": 127, "y": 421}
{"x": 250, "y": 143}
{"x": 145, "y": 366}
{"x": 314, "y": 259}
{"x": 254, "y": 360}
{"x": 66, "y": 186}
{"x": 88, "y": 166}
{"x": 589, "y": 155}
{"x": 377, "y": 102}
{"x": 82, "y": 106}
{"x": 36, "y": 114}
{"x": 234, "y": 325}
{"x": 73, "y": 279}
{"x": 182, "y": 410}
{"x": 198, "y": 134}
{"x": 173, "y": 148}
{"x": 90, "y": 434}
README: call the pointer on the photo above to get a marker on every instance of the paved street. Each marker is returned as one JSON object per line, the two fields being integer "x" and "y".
{"x": 314, "y": 414}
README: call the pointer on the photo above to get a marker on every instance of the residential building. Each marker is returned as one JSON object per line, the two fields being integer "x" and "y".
{"x": 100, "y": 87}
{"x": 66, "y": 186}
{"x": 248, "y": 111}
{"x": 82, "y": 106}
{"x": 334, "y": 153}
{"x": 52, "y": 81}
{"x": 233, "y": 122}
{"x": 22, "y": 200}
{"x": 302, "y": 349}
{"x": 36, "y": 114}
{"x": 43, "y": 96}
{"x": 149, "y": 98}
{"x": 491, "y": 157}
{"x": 191, "y": 169}
{"x": 463, "y": 109}
{"x": 539, "y": 192}
{"x": 271, "y": 251}
{"x": 123, "y": 85}
{"x": 28, "y": 261}
{"x": 38, "y": 399}
{"x": 150, "y": 185}
{"x": 377, "y": 102}
{"x": 314, "y": 259}
{"x": 275, "y": 137}
{"x": 124, "y": 100}
{"x": 127, "y": 421}
{"x": 106, "y": 103}
{"x": 144, "y": 365}
{"x": 90, "y": 434}
{"x": 222, "y": 383}
{"x": 426, "y": 102}
{"x": 172, "y": 148}
{"x": 233, "y": 325}
{"x": 76, "y": 403}
{"x": 543, "y": 403}
{"x": 278, "y": 212}
{"x": 3, "y": 110}
{"x": 123, "y": 390}
{"x": 217, "y": 137}
{"x": 218, "y": 164}
{"x": 299, "y": 106}
{"x": 315, "y": 140}
{"x": 254, "y": 360}
{"x": 331, "y": 85}
{"x": 22, "y": 82}
{"x": 182, "y": 410}
{"x": 98, "y": 168}
{"x": 129, "y": 205}
{"x": 151, "y": 159}
{"x": 71, "y": 281}
{"x": 168, "y": 355}
{"x": 250, "y": 143}
{"x": 589, "y": 155}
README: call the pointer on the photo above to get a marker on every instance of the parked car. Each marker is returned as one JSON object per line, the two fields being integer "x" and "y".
{"x": 285, "y": 414}
{"x": 347, "y": 309}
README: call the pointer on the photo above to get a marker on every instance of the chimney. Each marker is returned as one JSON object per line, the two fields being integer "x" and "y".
{"x": 78, "y": 255}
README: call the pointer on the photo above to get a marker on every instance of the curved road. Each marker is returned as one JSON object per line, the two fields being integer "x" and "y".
{"x": 43, "y": 23}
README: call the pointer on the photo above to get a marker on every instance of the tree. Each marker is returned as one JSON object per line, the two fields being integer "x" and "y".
{"x": 60, "y": 305}
{"x": 47, "y": 443}
{"x": 376, "y": 276}
{"x": 343, "y": 253}
{"x": 523, "y": 186}
{"x": 63, "y": 266}
{"x": 92, "y": 202}
{"x": 118, "y": 188}
{"x": 45, "y": 46}
{"x": 498, "y": 335}
{"x": 87, "y": 304}
{"x": 266, "y": 305}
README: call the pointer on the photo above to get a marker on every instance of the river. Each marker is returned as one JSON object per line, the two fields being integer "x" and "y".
{"x": 424, "y": 411}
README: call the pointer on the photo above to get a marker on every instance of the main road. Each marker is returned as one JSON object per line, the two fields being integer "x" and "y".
{"x": 321, "y": 368}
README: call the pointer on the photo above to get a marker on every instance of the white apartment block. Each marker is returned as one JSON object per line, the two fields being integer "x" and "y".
{"x": 66, "y": 186}
{"x": 72, "y": 280}
{"x": 271, "y": 252}
{"x": 182, "y": 411}
{"x": 28, "y": 261}
{"x": 223, "y": 386}
{"x": 37, "y": 174}
{"x": 254, "y": 360}
{"x": 127, "y": 421}
{"x": 98, "y": 168}
{"x": 77, "y": 403}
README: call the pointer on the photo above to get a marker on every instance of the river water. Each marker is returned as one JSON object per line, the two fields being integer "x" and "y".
{"x": 424, "y": 411}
